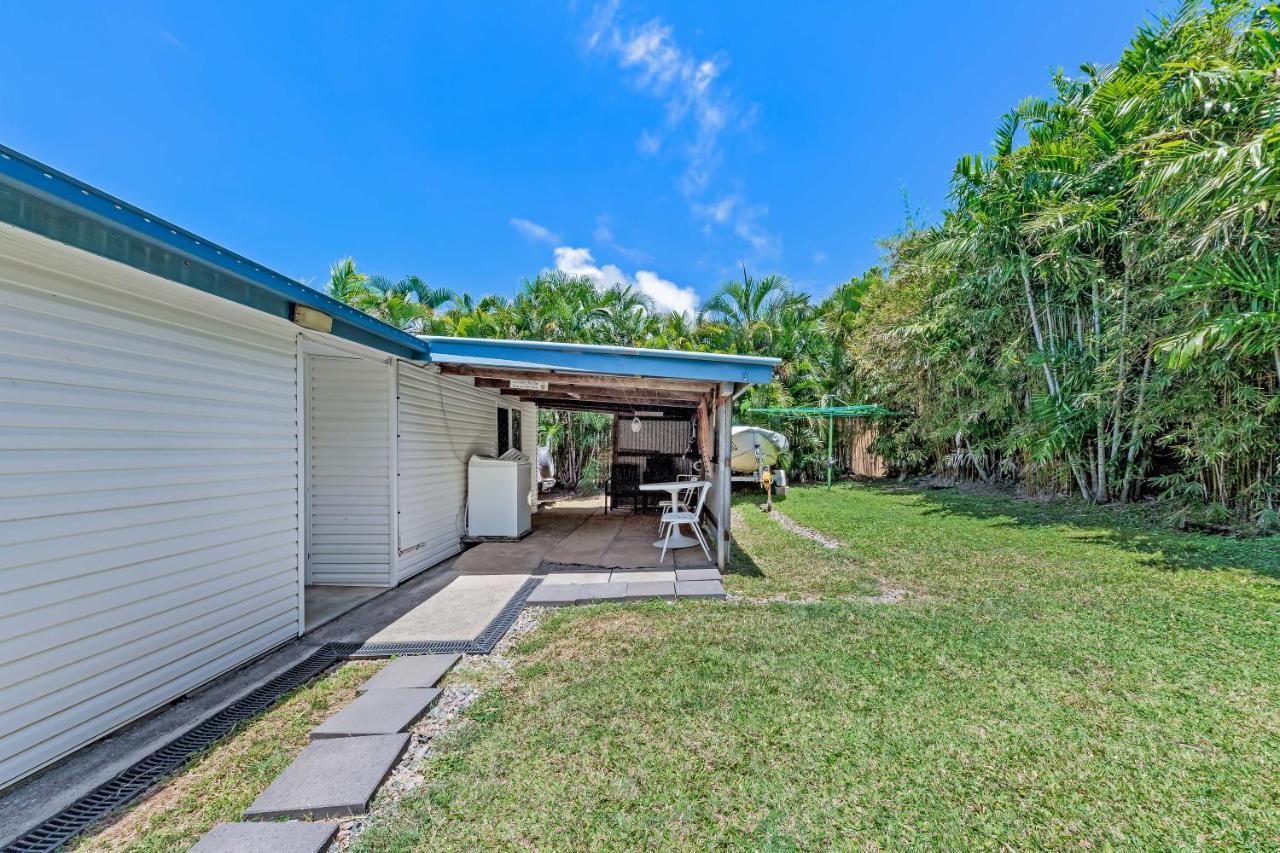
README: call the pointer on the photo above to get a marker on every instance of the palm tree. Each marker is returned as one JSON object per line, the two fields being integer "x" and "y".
{"x": 345, "y": 283}
{"x": 408, "y": 304}
{"x": 745, "y": 314}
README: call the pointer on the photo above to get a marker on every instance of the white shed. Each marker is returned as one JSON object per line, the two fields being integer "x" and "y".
{"x": 179, "y": 460}
{"x": 189, "y": 441}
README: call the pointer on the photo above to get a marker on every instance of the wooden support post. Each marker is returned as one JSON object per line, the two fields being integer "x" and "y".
{"x": 724, "y": 482}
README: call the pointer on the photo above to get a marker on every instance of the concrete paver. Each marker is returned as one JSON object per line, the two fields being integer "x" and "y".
{"x": 293, "y": 837}
{"x": 700, "y": 589}
{"x": 378, "y": 712}
{"x": 575, "y": 577}
{"x": 651, "y": 589}
{"x": 598, "y": 593}
{"x": 332, "y": 778}
{"x": 411, "y": 671}
{"x": 697, "y": 575}
{"x": 555, "y": 595}
{"x": 631, "y": 576}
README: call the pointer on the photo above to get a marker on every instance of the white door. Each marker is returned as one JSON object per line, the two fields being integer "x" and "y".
{"x": 348, "y": 450}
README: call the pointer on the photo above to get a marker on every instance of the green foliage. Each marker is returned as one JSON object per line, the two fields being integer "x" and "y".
{"x": 1099, "y": 311}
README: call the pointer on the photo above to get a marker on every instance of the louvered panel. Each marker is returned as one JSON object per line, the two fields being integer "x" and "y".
{"x": 348, "y": 471}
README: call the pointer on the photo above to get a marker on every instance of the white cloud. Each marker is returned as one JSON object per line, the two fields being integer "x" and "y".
{"x": 603, "y": 235}
{"x": 819, "y": 257}
{"x": 699, "y": 110}
{"x": 649, "y": 143}
{"x": 534, "y": 231}
{"x": 666, "y": 295}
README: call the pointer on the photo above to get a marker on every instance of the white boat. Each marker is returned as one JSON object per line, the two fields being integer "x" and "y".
{"x": 746, "y": 440}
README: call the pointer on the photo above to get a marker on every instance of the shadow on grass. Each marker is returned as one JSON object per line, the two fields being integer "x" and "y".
{"x": 740, "y": 562}
{"x": 1126, "y": 527}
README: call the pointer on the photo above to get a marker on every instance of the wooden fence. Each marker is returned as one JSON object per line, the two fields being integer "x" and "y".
{"x": 853, "y": 440}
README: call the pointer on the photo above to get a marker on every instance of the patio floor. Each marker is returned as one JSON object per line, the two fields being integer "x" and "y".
{"x": 578, "y": 533}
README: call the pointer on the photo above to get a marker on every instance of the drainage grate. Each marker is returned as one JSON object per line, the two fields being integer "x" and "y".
{"x": 136, "y": 779}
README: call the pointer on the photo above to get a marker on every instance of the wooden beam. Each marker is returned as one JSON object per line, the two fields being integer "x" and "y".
{"x": 557, "y": 387}
{"x": 599, "y": 395}
{"x": 675, "y": 412}
{"x": 593, "y": 380}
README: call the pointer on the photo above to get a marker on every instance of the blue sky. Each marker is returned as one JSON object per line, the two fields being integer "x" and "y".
{"x": 474, "y": 144}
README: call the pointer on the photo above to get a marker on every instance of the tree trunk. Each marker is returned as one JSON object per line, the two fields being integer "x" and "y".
{"x": 1132, "y": 453}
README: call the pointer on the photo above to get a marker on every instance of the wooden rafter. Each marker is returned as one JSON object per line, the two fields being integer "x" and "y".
{"x": 591, "y": 380}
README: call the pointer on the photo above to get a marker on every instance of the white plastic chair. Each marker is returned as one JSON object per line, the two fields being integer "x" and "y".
{"x": 672, "y": 519}
{"x": 681, "y": 502}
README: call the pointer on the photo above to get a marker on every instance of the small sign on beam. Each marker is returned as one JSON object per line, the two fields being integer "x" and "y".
{"x": 527, "y": 384}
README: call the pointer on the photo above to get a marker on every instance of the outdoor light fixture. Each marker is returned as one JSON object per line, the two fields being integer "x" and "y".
{"x": 635, "y": 423}
{"x": 310, "y": 318}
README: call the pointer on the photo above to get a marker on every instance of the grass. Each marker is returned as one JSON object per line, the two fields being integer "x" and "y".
{"x": 229, "y": 776}
{"x": 1056, "y": 676}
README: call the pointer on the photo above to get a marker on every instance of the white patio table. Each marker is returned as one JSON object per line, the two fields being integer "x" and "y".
{"x": 678, "y": 539}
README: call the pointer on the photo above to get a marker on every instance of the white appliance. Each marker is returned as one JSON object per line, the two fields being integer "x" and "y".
{"x": 498, "y": 495}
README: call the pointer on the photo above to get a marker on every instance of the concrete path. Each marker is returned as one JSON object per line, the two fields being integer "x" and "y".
{"x": 292, "y": 837}
{"x": 411, "y": 671}
{"x": 383, "y": 711}
{"x": 460, "y": 611}
{"x": 566, "y": 589}
{"x": 330, "y": 779}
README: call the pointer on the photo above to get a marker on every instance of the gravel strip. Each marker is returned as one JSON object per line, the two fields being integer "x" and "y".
{"x": 800, "y": 530}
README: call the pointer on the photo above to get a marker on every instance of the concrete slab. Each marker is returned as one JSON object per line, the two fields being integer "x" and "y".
{"x": 378, "y": 712}
{"x": 330, "y": 779}
{"x": 326, "y": 603}
{"x": 555, "y": 595}
{"x": 588, "y": 544}
{"x": 411, "y": 671}
{"x": 697, "y": 575}
{"x": 642, "y": 576}
{"x": 293, "y": 837}
{"x": 576, "y": 577}
{"x": 460, "y": 611}
{"x": 700, "y": 589}
{"x": 599, "y": 593}
{"x": 651, "y": 589}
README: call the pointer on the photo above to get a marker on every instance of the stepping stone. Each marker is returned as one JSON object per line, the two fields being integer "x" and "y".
{"x": 700, "y": 589}
{"x": 598, "y": 593}
{"x": 267, "y": 838}
{"x": 378, "y": 712}
{"x": 643, "y": 576}
{"x": 697, "y": 575}
{"x": 411, "y": 671}
{"x": 555, "y": 595}
{"x": 330, "y": 779}
{"x": 651, "y": 589}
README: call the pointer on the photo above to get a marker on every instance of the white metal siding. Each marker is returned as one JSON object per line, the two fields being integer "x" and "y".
{"x": 348, "y": 427}
{"x": 443, "y": 421}
{"x": 148, "y": 494}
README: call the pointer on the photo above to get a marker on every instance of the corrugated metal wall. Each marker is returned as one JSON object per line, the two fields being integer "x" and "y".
{"x": 148, "y": 494}
{"x": 442, "y": 422}
{"x": 348, "y": 427}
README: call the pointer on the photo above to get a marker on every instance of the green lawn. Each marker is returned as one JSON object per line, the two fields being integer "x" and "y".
{"x": 1054, "y": 677}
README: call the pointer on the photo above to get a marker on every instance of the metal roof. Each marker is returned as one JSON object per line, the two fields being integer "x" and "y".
{"x": 43, "y": 200}
{"x": 600, "y": 359}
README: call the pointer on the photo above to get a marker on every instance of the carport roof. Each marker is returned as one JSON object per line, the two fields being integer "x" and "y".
{"x": 606, "y": 360}
{"x": 591, "y": 377}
